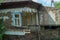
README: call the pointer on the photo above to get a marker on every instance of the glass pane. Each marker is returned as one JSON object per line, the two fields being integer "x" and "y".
{"x": 18, "y": 21}
{"x": 17, "y": 16}
{"x": 15, "y": 21}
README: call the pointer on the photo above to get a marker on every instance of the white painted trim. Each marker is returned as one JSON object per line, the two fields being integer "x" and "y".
{"x": 14, "y": 18}
{"x": 15, "y": 32}
{"x": 4, "y": 18}
{"x": 27, "y": 9}
{"x": 17, "y": 20}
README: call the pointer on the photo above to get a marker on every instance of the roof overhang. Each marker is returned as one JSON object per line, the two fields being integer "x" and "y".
{"x": 4, "y": 1}
{"x": 9, "y": 5}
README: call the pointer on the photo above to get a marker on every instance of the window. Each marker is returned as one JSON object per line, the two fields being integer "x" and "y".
{"x": 16, "y": 19}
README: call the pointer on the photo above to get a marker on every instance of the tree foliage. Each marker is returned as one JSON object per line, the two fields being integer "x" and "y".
{"x": 57, "y": 4}
{"x": 2, "y": 28}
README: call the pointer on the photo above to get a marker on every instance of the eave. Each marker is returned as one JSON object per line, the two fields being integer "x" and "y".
{"x": 9, "y": 5}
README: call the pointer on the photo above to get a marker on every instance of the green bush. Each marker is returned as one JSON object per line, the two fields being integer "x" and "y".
{"x": 58, "y": 38}
{"x": 1, "y": 36}
{"x": 57, "y": 4}
{"x": 2, "y": 28}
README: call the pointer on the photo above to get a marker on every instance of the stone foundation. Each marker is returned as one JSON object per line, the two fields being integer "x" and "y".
{"x": 50, "y": 34}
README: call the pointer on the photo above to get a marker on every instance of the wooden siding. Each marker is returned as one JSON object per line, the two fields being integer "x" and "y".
{"x": 46, "y": 18}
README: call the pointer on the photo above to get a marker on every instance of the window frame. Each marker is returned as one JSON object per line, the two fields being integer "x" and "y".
{"x": 13, "y": 19}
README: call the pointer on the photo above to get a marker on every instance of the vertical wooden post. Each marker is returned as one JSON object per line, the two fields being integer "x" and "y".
{"x": 35, "y": 20}
{"x": 38, "y": 22}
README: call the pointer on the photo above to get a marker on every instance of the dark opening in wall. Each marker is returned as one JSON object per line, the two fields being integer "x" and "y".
{"x": 50, "y": 27}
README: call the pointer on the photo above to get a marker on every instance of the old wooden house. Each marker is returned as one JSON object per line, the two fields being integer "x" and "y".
{"x": 28, "y": 20}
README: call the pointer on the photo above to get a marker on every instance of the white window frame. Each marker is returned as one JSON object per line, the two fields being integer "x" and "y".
{"x": 13, "y": 19}
{"x": 18, "y": 24}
